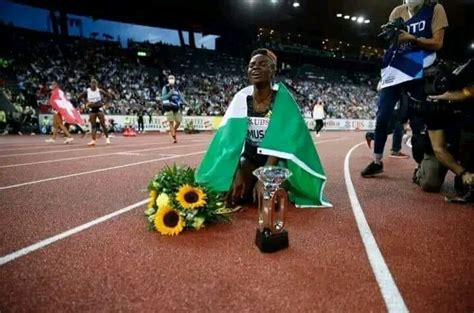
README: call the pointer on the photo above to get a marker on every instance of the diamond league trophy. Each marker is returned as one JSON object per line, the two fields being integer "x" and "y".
{"x": 272, "y": 206}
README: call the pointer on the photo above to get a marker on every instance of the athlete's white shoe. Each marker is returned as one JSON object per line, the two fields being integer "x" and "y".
{"x": 318, "y": 135}
{"x": 107, "y": 141}
{"x": 68, "y": 140}
{"x": 50, "y": 140}
{"x": 92, "y": 143}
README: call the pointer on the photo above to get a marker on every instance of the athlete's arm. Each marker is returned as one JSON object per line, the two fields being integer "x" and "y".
{"x": 82, "y": 95}
{"x": 105, "y": 94}
{"x": 183, "y": 100}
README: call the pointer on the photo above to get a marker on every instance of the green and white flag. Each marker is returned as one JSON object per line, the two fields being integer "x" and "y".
{"x": 287, "y": 137}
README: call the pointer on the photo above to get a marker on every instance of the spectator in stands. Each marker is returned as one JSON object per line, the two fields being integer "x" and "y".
{"x": 173, "y": 101}
{"x": 3, "y": 121}
{"x": 45, "y": 125}
{"x": 209, "y": 78}
{"x": 140, "y": 121}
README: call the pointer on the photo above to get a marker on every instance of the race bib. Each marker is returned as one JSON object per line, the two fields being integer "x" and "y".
{"x": 257, "y": 129}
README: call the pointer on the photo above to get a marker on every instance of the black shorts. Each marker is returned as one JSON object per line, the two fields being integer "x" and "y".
{"x": 95, "y": 110}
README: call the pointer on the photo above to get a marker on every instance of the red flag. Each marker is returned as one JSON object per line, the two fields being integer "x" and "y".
{"x": 64, "y": 107}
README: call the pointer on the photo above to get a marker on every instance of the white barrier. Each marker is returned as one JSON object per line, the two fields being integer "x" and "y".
{"x": 209, "y": 123}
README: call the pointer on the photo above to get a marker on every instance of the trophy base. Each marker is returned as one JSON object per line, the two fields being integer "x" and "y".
{"x": 268, "y": 242}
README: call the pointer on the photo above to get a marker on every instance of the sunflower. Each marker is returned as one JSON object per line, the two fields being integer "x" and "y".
{"x": 168, "y": 221}
{"x": 190, "y": 197}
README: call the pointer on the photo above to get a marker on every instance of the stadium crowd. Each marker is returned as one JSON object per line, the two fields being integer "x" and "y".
{"x": 208, "y": 79}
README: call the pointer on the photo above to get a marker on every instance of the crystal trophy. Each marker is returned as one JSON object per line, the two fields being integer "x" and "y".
{"x": 272, "y": 207}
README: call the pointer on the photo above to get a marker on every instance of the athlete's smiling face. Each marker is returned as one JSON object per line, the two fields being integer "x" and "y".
{"x": 261, "y": 69}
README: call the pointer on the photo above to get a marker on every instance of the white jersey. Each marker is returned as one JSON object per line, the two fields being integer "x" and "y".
{"x": 93, "y": 96}
{"x": 318, "y": 112}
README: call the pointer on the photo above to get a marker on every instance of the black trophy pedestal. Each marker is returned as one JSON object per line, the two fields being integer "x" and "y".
{"x": 268, "y": 242}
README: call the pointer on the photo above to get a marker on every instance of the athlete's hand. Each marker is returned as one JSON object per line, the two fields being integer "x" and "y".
{"x": 237, "y": 191}
{"x": 406, "y": 37}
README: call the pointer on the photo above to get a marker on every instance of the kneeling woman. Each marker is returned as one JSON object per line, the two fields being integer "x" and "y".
{"x": 263, "y": 126}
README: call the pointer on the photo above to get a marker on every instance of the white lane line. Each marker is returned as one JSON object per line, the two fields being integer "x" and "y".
{"x": 329, "y": 140}
{"x": 93, "y": 148}
{"x": 130, "y": 153}
{"x": 79, "y": 145}
{"x": 46, "y": 242}
{"x": 98, "y": 170}
{"x": 390, "y": 293}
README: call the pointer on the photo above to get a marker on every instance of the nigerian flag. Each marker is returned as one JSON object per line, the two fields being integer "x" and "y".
{"x": 287, "y": 137}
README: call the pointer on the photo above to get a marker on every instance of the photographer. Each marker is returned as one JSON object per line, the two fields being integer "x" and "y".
{"x": 416, "y": 31}
{"x": 173, "y": 102}
{"x": 459, "y": 112}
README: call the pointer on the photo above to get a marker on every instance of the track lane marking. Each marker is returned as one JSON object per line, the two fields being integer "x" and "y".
{"x": 97, "y": 170}
{"x": 48, "y": 241}
{"x": 77, "y": 144}
{"x": 99, "y": 155}
{"x": 388, "y": 288}
{"x": 91, "y": 148}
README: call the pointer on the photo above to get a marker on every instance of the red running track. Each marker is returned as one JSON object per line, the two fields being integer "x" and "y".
{"x": 118, "y": 266}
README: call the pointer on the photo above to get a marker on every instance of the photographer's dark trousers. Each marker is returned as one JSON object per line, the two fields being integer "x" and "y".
{"x": 397, "y": 134}
{"x": 388, "y": 98}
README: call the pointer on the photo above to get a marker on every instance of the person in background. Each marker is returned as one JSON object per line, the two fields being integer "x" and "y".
{"x": 45, "y": 125}
{"x": 58, "y": 123}
{"x": 95, "y": 103}
{"x": 3, "y": 121}
{"x": 16, "y": 119}
{"x": 318, "y": 116}
{"x": 140, "y": 120}
{"x": 173, "y": 101}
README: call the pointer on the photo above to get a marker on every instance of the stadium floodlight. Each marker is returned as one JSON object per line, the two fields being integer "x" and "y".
{"x": 472, "y": 45}
{"x": 346, "y": 17}
{"x": 274, "y": 1}
{"x": 367, "y": 21}
{"x": 296, "y": 4}
{"x": 339, "y": 14}
{"x": 353, "y": 18}
{"x": 360, "y": 20}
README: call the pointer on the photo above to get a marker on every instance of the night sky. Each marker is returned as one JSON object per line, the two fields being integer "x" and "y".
{"x": 38, "y": 19}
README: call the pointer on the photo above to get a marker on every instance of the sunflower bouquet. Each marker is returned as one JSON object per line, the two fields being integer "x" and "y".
{"x": 176, "y": 202}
